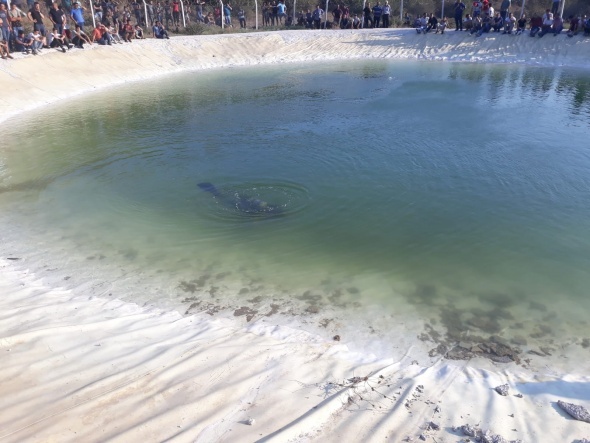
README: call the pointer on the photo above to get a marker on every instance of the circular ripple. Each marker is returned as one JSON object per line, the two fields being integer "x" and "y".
{"x": 231, "y": 202}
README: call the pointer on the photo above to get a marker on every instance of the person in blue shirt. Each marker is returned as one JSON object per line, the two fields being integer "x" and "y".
{"x": 77, "y": 15}
{"x": 159, "y": 30}
{"x": 377, "y": 11}
{"x": 227, "y": 14}
{"x": 282, "y": 11}
{"x": 317, "y": 14}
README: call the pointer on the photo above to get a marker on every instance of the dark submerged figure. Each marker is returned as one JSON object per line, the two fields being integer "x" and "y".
{"x": 243, "y": 203}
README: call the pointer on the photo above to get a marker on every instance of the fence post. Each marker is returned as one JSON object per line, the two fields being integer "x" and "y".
{"x": 146, "y": 15}
{"x": 562, "y": 7}
{"x": 363, "y": 15}
{"x": 182, "y": 11}
{"x": 92, "y": 12}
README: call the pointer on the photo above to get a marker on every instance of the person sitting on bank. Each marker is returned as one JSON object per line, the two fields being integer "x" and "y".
{"x": 467, "y": 22}
{"x": 421, "y": 24}
{"x": 442, "y": 25}
{"x": 100, "y": 35}
{"x": 432, "y": 23}
{"x": 345, "y": 23}
{"x": 476, "y": 25}
{"x": 521, "y": 25}
{"x": 536, "y": 25}
{"x": 486, "y": 25}
{"x": 497, "y": 22}
{"x": 509, "y": 23}
{"x": 557, "y": 25}
{"x": 59, "y": 41}
{"x": 79, "y": 38}
{"x": 22, "y": 43}
{"x": 139, "y": 32}
{"x": 574, "y": 26}
{"x": 128, "y": 31}
{"x": 38, "y": 40}
{"x": 160, "y": 31}
{"x": 115, "y": 37}
{"x": 407, "y": 20}
{"x": 547, "y": 24}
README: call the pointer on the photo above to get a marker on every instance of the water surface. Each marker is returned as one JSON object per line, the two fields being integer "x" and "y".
{"x": 403, "y": 185}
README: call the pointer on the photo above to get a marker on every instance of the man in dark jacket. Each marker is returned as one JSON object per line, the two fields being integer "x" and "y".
{"x": 459, "y": 7}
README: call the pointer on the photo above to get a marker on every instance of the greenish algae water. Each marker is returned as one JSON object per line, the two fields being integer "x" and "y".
{"x": 410, "y": 186}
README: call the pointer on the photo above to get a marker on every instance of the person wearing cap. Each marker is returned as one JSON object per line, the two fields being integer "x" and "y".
{"x": 77, "y": 15}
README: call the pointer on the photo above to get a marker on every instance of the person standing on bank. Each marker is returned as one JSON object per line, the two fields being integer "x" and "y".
{"x": 77, "y": 15}
{"x": 459, "y": 8}
{"x": 505, "y": 8}
{"x": 377, "y": 11}
{"x": 318, "y": 15}
{"x": 367, "y": 20}
{"x": 386, "y": 12}
{"x": 57, "y": 17}
{"x": 37, "y": 18}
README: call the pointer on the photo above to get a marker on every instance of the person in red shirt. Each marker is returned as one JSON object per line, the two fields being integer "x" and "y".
{"x": 98, "y": 35}
{"x": 128, "y": 31}
{"x": 176, "y": 13}
{"x": 536, "y": 24}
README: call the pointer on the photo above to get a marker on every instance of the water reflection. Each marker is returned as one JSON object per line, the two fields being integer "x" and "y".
{"x": 508, "y": 83}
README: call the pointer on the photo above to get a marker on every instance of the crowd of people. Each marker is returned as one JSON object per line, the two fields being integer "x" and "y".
{"x": 113, "y": 22}
{"x": 485, "y": 19}
{"x": 68, "y": 27}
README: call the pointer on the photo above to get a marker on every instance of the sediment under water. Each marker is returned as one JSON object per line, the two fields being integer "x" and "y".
{"x": 456, "y": 192}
